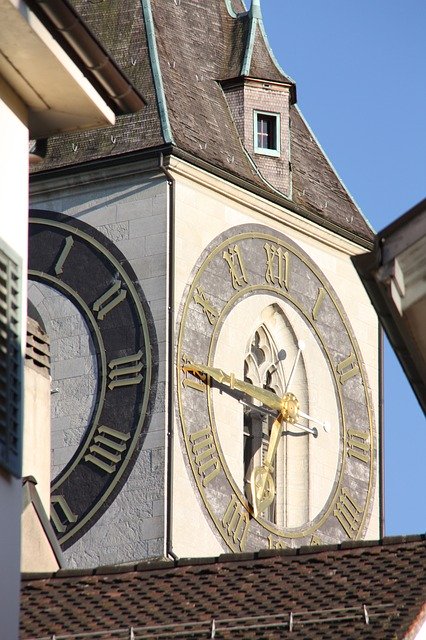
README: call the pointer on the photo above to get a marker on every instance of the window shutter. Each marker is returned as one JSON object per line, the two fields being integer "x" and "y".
{"x": 10, "y": 362}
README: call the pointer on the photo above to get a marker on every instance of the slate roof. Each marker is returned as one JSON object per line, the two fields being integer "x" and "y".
{"x": 198, "y": 45}
{"x": 369, "y": 590}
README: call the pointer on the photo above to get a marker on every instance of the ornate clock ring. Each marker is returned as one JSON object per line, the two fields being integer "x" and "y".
{"x": 290, "y": 408}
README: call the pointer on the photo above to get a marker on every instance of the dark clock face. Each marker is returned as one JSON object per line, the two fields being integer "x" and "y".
{"x": 259, "y": 312}
{"x": 72, "y": 258}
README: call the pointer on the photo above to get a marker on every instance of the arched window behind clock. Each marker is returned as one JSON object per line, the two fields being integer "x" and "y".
{"x": 268, "y": 362}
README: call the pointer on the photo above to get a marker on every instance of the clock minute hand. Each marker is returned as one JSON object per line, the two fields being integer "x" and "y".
{"x": 268, "y": 398}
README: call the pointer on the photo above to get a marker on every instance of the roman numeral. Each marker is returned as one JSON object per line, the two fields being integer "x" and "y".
{"x": 358, "y": 446}
{"x": 276, "y": 543}
{"x": 110, "y": 299}
{"x": 205, "y": 455}
{"x": 348, "y": 368}
{"x": 235, "y": 524}
{"x": 320, "y": 299}
{"x": 277, "y": 265}
{"x": 210, "y": 311}
{"x": 60, "y": 513}
{"x": 125, "y": 371}
{"x": 190, "y": 381}
{"x": 236, "y": 266}
{"x": 348, "y": 514}
{"x": 108, "y": 448}
{"x": 67, "y": 246}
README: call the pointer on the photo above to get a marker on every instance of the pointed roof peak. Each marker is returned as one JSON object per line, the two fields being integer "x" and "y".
{"x": 258, "y": 59}
{"x": 255, "y": 10}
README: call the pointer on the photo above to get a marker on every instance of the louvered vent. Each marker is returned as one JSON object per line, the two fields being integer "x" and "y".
{"x": 10, "y": 365}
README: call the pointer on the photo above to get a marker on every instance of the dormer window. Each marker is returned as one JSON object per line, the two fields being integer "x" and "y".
{"x": 267, "y": 133}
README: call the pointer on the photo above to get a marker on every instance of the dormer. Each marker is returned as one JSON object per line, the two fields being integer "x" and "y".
{"x": 259, "y": 99}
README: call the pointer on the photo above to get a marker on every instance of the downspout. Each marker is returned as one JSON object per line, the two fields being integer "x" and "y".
{"x": 170, "y": 356}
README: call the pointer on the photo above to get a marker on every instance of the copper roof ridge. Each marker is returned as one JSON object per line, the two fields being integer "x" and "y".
{"x": 163, "y": 563}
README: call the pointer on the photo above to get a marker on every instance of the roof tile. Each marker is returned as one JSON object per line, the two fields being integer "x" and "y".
{"x": 372, "y": 591}
{"x": 199, "y": 44}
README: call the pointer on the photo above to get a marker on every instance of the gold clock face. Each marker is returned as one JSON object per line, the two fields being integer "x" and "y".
{"x": 273, "y": 399}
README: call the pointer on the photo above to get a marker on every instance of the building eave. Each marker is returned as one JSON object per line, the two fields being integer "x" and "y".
{"x": 394, "y": 276}
{"x": 60, "y": 74}
{"x": 171, "y": 150}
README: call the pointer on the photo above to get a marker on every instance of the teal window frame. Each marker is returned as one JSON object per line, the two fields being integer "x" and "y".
{"x": 275, "y": 149}
{"x": 11, "y": 366}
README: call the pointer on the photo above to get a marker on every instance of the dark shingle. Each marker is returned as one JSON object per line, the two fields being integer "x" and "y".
{"x": 199, "y": 44}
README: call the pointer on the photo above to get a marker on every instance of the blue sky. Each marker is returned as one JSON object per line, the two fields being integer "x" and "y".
{"x": 361, "y": 83}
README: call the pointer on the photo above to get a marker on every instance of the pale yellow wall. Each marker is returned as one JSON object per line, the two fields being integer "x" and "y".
{"x": 36, "y": 552}
{"x": 205, "y": 207}
{"x": 36, "y": 454}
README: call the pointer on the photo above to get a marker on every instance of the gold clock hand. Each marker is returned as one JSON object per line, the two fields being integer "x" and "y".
{"x": 264, "y": 396}
{"x": 262, "y": 483}
{"x": 274, "y": 439}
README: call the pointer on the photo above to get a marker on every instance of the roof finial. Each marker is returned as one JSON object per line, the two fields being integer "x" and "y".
{"x": 255, "y": 10}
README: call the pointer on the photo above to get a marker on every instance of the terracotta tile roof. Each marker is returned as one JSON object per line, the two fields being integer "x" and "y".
{"x": 369, "y": 590}
{"x": 199, "y": 44}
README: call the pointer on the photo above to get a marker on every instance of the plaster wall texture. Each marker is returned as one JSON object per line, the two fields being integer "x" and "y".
{"x": 13, "y": 231}
{"x": 206, "y": 207}
{"x": 36, "y": 552}
{"x": 36, "y": 455}
{"x": 130, "y": 210}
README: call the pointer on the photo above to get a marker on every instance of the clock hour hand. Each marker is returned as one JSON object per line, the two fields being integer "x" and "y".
{"x": 261, "y": 480}
{"x": 264, "y": 396}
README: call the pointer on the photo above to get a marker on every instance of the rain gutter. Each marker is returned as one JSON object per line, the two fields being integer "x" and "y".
{"x": 75, "y": 37}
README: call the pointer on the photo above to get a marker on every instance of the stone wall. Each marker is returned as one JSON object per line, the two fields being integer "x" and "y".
{"x": 130, "y": 209}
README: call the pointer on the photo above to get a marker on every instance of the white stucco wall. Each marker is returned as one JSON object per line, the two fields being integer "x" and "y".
{"x": 13, "y": 231}
{"x": 204, "y": 209}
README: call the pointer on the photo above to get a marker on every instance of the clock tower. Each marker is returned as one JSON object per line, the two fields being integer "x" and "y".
{"x": 215, "y": 359}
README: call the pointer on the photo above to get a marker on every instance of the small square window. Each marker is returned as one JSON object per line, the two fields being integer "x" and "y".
{"x": 267, "y": 133}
